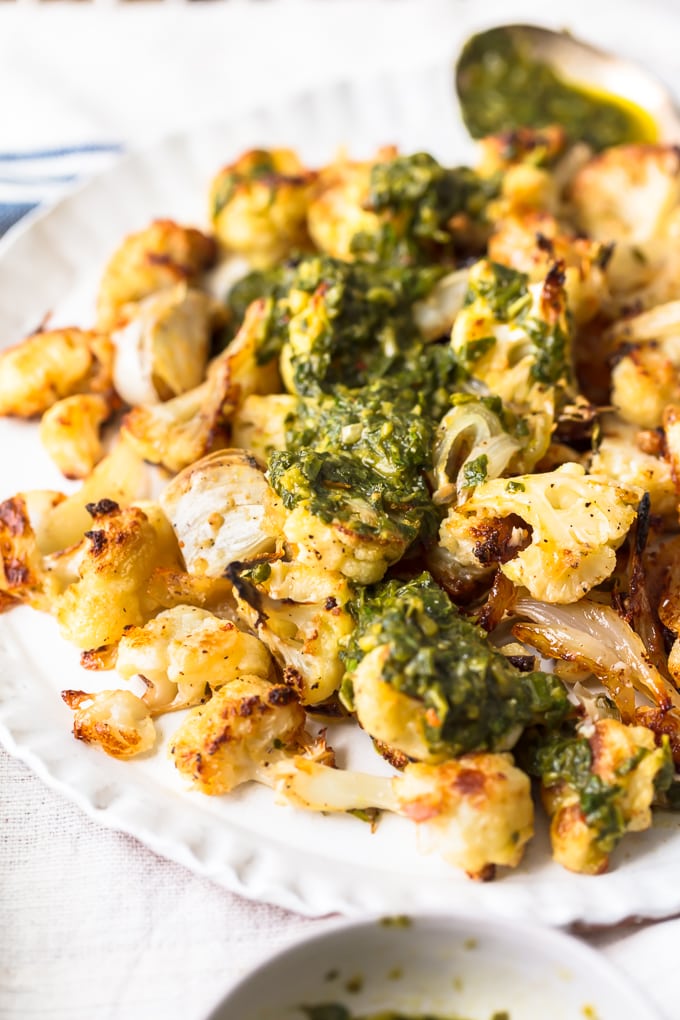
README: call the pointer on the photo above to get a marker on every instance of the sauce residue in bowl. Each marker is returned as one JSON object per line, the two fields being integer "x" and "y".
{"x": 501, "y": 88}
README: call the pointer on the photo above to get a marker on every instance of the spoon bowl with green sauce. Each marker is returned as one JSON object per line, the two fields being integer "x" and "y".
{"x": 524, "y": 75}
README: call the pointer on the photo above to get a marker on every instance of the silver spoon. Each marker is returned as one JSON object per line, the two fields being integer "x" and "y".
{"x": 579, "y": 63}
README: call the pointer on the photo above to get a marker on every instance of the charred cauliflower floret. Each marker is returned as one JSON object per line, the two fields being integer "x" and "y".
{"x": 424, "y": 680}
{"x": 223, "y": 511}
{"x": 161, "y": 256}
{"x": 47, "y": 366}
{"x": 114, "y": 562}
{"x": 258, "y": 205}
{"x": 476, "y": 811}
{"x": 532, "y": 242}
{"x": 634, "y": 458}
{"x": 70, "y": 432}
{"x": 597, "y": 786}
{"x": 23, "y": 577}
{"x": 554, "y": 533}
{"x": 163, "y": 349}
{"x": 628, "y": 193}
{"x": 247, "y": 726}
{"x": 117, "y": 721}
{"x": 185, "y": 652}
{"x": 514, "y": 337}
{"x": 300, "y": 613}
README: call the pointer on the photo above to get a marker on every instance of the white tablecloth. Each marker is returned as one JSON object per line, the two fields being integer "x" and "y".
{"x": 92, "y": 924}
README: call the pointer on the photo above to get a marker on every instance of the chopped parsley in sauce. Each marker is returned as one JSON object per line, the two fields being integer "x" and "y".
{"x": 502, "y": 88}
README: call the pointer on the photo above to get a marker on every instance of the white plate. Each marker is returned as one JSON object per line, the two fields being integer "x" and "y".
{"x": 451, "y": 966}
{"x": 306, "y": 862}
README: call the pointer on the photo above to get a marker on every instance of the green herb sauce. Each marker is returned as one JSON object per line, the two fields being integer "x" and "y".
{"x": 502, "y": 88}
{"x": 421, "y": 207}
{"x": 473, "y": 696}
{"x": 569, "y": 759}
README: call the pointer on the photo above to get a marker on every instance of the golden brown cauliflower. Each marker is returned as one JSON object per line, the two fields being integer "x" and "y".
{"x": 300, "y": 613}
{"x": 259, "y": 424}
{"x": 114, "y": 563}
{"x": 533, "y": 241}
{"x": 628, "y": 193}
{"x": 121, "y": 476}
{"x": 23, "y": 577}
{"x": 598, "y": 786}
{"x": 182, "y": 430}
{"x": 337, "y": 211}
{"x": 635, "y": 458}
{"x": 160, "y": 256}
{"x": 117, "y": 721}
{"x": 555, "y": 533}
{"x": 185, "y": 652}
{"x": 258, "y": 205}
{"x": 476, "y": 811}
{"x": 248, "y": 725}
{"x": 47, "y": 366}
{"x": 69, "y": 431}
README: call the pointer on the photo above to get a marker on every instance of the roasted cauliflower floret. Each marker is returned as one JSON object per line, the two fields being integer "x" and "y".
{"x": 425, "y": 681}
{"x": 476, "y": 811}
{"x": 184, "y": 429}
{"x": 514, "y": 337}
{"x": 247, "y": 726}
{"x": 597, "y": 786}
{"x": 537, "y": 147}
{"x": 646, "y": 356}
{"x": 405, "y": 207}
{"x": 185, "y": 652}
{"x": 532, "y": 242}
{"x": 23, "y": 575}
{"x": 163, "y": 349}
{"x": 117, "y": 721}
{"x": 635, "y": 458}
{"x": 161, "y": 256}
{"x": 114, "y": 563}
{"x": 223, "y": 511}
{"x": 555, "y": 533}
{"x": 258, "y": 205}
{"x": 259, "y": 424}
{"x": 628, "y": 193}
{"x": 335, "y": 526}
{"x": 47, "y": 366}
{"x": 300, "y": 613}
{"x": 337, "y": 212}
{"x": 70, "y": 432}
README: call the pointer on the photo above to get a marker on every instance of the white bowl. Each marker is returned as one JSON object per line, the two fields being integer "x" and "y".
{"x": 451, "y": 966}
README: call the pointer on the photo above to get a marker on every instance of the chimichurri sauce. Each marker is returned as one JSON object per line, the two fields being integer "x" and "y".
{"x": 502, "y": 88}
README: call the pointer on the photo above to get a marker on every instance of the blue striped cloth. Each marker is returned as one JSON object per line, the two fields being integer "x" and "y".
{"x": 41, "y": 176}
